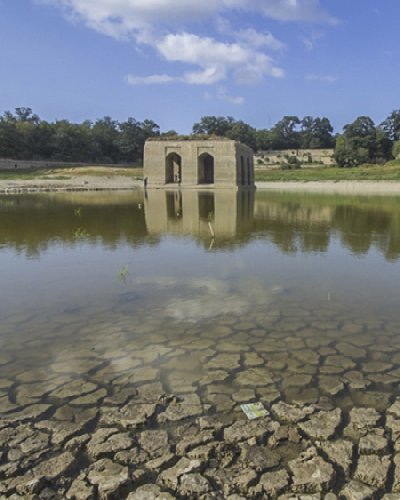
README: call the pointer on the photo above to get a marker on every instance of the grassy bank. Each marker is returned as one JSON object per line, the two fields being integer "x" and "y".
{"x": 388, "y": 172}
{"x": 70, "y": 172}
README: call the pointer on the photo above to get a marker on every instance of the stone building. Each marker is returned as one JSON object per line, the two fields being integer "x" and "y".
{"x": 210, "y": 163}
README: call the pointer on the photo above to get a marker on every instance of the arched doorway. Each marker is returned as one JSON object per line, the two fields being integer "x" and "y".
{"x": 173, "y": 169}
{"x": 206, "y": 169}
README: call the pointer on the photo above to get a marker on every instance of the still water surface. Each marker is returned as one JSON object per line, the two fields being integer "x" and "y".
{"x": 236, "y": 297}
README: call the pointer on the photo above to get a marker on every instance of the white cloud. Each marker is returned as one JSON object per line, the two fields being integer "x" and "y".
{"x": 249, "y": 36}
{"x": 255, "y": 39}
{"x": 207, "y": 76}
{"x": 223, "y": 95}
{"x": 321, "y": 78}
{"x": 294, "y": 10}
{"x": 284, "y": 10}
{"x": 217, "y": 60}
{"x": 310, "y": 40}
{"x": 308, "y": 43}
{"x": 151, "y": 79}
{"x": 122, "y": 17}
{"x": 153, "y": 23}
{"x": 194, "y": 49}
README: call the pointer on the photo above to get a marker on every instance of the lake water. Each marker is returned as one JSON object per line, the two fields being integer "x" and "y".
{"x": 90, "y": 278}
{"x": 221, "y": 298}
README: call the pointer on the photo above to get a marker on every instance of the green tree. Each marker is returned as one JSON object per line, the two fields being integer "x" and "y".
{"x": 263, "y": 140}
{"x": 42, "y": 141}
{"x": 306, "y": 132}
{"x": 169, "y": 133}
{"x": 26, "y": 115}
{"x": 285, "y": 134}
{"x": 347, "y": 155}
{"x": 396, "y": 149}
{"x": 150, "y": 128}
{"x": 241, "y": 131}
{"x": 226, "y": 127}
{"x": 105, "y": 137}
{"x": 11, "y": 143}
{"x": 362, "y": 142}
{"x": 132, "y": 137}
{"x": 316, "y": 133}
{"x": 383, "y": 147}
{"x": 72, "y": 142}
{"x": 322, "y": 131}
{"x": 213, "y": 125}
{"x": 391, "y": 126}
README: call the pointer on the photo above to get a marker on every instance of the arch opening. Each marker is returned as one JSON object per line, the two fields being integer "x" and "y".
{"x": 205, "y": 169}
{"x": 173, "y": 169}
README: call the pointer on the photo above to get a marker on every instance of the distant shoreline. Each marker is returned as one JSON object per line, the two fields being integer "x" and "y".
{"x": 346, "y": 187}
{"x": 81, "y": 183}
{"x": 119, "y": 182}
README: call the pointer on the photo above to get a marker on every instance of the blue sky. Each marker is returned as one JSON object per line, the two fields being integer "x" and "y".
{"x": 176, "y": 60}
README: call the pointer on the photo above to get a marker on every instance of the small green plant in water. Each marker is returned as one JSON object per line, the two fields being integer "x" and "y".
{"x": 78, "y": 212}
{"x": 123, "y": 273}
{"x": 80, "y": 233}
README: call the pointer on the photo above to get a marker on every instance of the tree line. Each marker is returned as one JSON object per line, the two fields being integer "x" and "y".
{"x": 23, "y": 135}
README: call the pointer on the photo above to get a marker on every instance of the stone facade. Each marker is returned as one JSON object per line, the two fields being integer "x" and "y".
{"x": 212, "y": 163}
{"x": 307, "y": 157}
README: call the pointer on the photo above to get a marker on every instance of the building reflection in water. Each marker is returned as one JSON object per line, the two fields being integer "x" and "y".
{"x": 222, "y": 215}
{"x": 224, "y": 219}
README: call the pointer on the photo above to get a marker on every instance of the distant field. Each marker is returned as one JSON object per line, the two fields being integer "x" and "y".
{"x": 388, "y": 172}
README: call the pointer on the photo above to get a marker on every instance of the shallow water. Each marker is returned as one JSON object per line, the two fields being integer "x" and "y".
{"x": 221, "y": 298}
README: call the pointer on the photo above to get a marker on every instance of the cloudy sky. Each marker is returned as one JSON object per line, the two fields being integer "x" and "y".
{"x": 176, "y": 60}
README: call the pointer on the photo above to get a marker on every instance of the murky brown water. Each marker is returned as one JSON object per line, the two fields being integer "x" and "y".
{"x": 222, "y": 298}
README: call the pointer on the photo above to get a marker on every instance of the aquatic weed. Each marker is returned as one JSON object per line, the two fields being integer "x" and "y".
{"x": 123, "y": 273}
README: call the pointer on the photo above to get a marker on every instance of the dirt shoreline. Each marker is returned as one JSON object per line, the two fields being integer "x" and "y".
{"x": 89, "y": 183}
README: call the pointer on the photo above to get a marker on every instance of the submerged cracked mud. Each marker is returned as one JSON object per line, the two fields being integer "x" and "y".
{"x": 129, "y": 419}
{"x": 129, "y": 430}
